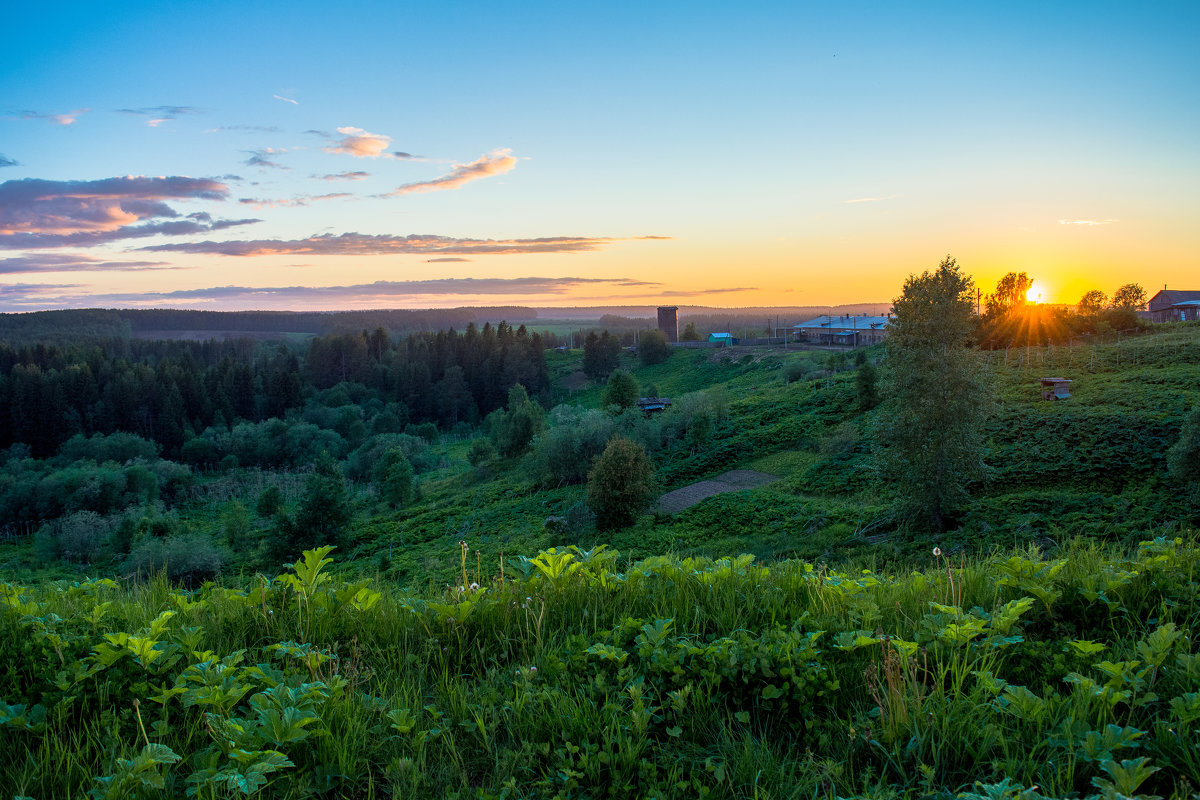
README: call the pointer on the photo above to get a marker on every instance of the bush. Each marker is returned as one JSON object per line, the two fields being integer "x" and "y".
{"x": 514, "y": 428}
{"x": 82, "y": 537}
{"x": 394, "y": 476}
{"x": 620, "y": 391}
{"x": 119, "y": 447}
{"x": 621, "y": 484}
{"x": 563, "y": 454}
{"x": 269, "y": 502}
{"x": 653, "y": 348}
{"x": 1183, "y": 459}
{"x": 480, "y": 452}
{"x": 189, "y": 558}
{"x": 361, "y": 464}
{"x": 795, "y": 371}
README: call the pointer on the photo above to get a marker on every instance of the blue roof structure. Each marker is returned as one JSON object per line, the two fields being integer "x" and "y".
{"x": 837, "y": 322}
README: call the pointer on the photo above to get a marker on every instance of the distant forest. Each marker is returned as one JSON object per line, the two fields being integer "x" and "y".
{"x": 188, "y": 396}
{"x": 70, "y": 325}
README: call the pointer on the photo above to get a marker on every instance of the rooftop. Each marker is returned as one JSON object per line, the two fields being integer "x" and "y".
{"x": 862, "y": 321}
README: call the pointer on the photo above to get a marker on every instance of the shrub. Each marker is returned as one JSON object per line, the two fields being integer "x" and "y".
{"x": 480, "y": 452}
{"x": 189, "y": 558}
{"x": 269, "y": 502}
{"x": 621, "y": 484}
{"x": 394, "y": 476}
{"x": 513, "y": 429}
{"x": 81, "y": 537}
{"x": 620, "y": 391}
{"x": 653, "y": 348}
{"x": 563, "y": 454}
{"x": 1183, "y": 459}
{"x": 119, "y": 447}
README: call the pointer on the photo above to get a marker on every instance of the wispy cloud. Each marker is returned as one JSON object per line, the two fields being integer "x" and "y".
{"x": 5, "y": 161}
{"x": 285, "y": 99}
{"x": 159, "y": 114}
{"x": 360, "y": 244}
{"x": 67, "y": 262}
{"x": 295, "y": 202}
{"x": 359, "y": 143}
{"x": 27, "y": 296}
{"x": 380, "y": 293}
{"x": 1088, "y": 222}
{"x": 871, "y": 199}
{"x": 68, "y": 118}
{"x": 263, "y": 158}
{"x": 36, "y": 213}
{"x": 343, "y": 176}
{"x": 660, "y": 294}
{"x": 496, "y": 162}
{"x": 244, "y": 129}
{"x": 444, "y": 260}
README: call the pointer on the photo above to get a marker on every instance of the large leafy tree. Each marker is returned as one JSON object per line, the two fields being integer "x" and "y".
{"x": 1010, "y": 293}
{"x": 1093, "y": 302}
{"x": 935, "y": 402}
{"x": 1129, "y": 297}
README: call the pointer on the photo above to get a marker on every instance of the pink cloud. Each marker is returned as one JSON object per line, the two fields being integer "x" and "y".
{"x": 359, "y": 143}
{"x": 496, "y": 162}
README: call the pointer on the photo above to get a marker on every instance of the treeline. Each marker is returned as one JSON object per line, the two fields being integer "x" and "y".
{"x": 72, "y": 324}
{"x": 170, "y": 392}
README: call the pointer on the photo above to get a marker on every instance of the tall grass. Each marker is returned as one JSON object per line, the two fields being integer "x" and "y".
{"x": 571, "y": 678}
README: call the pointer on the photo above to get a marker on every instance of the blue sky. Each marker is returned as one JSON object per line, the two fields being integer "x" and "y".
{"x": 781, "y": 154}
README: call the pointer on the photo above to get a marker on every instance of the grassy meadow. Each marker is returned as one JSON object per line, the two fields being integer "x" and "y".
{"x": 484, "y": 639}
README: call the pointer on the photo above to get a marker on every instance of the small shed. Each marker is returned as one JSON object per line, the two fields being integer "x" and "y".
{"x": 652, "y": 405}
{"x": 1056, "y": 388}
{"x": 725, "y": 339}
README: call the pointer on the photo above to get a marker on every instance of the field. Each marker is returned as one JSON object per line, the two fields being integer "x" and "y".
{"x": 566, "y": 675}
{"x": 484, "y": 639}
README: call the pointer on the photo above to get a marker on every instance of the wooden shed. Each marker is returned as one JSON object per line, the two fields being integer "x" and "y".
{"x": 1056, "y": 388}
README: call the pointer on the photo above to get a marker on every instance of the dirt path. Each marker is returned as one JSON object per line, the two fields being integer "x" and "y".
{"x": 733, "y": 481}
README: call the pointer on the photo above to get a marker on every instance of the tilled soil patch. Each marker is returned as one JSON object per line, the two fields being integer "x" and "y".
{"x": 732, "y": 481}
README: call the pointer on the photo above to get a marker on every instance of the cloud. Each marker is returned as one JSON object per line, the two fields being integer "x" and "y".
{"x": 262, "y": 158}
{"x": 285, "y": 99}
{"x": 444, "y": 260}
{"x": 5, "y": 161}
{"x": 403, "y": 156}
{"x": 159, "y": 114}
{"x": 361, "y": 244}
{"x": 295, "y": 202}
{"x": 359, "y": 143}
{"x": 871, "y": 199}
{"x": 36, "y": 213}
{"x": 244, "y": 129}
{"x": 1087, "y": 222}
{"x": 29, "y": 296}
{"x": 68, "y": 118}
{"x": 343, "y": 176}
{"x": 67, "y": 262}
{"x": 378, "y": 294}
{"x": 496, "y": 162}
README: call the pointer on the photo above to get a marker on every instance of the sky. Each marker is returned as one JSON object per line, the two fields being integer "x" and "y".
{"x": 311, "y": 155}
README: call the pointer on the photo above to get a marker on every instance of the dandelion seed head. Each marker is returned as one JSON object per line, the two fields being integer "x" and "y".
{"x": 937, "y": 552}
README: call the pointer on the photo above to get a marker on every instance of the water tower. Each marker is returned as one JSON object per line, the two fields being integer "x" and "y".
{"x": 668, "y": 322}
